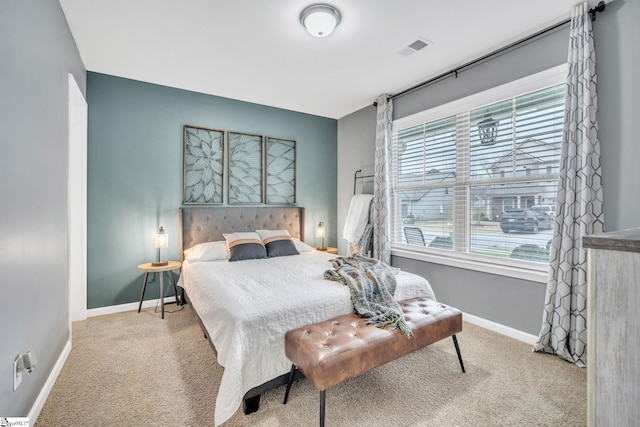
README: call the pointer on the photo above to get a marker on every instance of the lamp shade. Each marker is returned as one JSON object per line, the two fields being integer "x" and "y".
{"x": 162, "y": 239}
{"x": 320, "y": 19}
{"x": 320, "y": 234}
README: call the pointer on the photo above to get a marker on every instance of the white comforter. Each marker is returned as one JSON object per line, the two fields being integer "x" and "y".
{"x": 247, "y": 306}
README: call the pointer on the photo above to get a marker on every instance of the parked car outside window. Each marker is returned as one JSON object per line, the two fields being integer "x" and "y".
{"x": 519, "y": 220}
{"x": 546, "y": 215}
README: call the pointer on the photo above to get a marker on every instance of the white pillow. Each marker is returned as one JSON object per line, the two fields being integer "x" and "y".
{"x": 209, "y": 251}
{"x": 266, "y": 234}
{"x": 301, "y": 246}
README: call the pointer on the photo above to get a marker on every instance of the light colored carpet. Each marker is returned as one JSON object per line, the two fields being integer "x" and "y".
{"x": 131, "y": 369}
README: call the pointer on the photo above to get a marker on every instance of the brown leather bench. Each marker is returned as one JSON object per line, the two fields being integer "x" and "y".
{"x": 338, "y": 349}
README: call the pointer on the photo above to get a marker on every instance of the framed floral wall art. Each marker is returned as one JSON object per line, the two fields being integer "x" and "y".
{"x": 281, "y": 171}
{"x": 245, "y": 168}
{"x": 203, "y": 165}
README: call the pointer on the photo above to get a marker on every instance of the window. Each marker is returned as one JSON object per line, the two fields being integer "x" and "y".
{"x": 479, "y": 176}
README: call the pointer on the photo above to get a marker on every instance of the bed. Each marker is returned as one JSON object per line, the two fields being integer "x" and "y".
{"x": 246, "y": 307}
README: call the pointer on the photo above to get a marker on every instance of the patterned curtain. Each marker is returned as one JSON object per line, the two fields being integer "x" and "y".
{"x": 382, "y": 177}
{"x": 579, "y": 208}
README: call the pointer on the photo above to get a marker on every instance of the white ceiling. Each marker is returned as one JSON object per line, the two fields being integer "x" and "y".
{"x": 257, "y": 50}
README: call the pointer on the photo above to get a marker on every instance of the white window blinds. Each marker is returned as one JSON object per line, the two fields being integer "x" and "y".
{"x": 481, "y": 179}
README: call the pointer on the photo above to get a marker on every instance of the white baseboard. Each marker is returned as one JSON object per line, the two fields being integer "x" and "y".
{"x": 48, "y": 385}
{"x": 501, "y": 329}
{"x": 101, "y": 311}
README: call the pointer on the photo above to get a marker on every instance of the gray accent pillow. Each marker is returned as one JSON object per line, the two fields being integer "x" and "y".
{"x": 245, "y": 245}
{"x": 277, "y": 243}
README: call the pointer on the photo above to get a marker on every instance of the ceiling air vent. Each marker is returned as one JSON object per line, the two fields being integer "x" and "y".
{"x": 413, "y": 47}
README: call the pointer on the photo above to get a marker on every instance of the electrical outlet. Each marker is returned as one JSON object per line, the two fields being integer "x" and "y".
{"x": 17, "y": 376}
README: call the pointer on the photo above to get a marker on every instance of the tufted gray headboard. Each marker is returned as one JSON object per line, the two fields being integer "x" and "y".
{"x": 208, "y": 223}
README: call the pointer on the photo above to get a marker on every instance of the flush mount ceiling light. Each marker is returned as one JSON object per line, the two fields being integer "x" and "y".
{"x": 320, "y": 19}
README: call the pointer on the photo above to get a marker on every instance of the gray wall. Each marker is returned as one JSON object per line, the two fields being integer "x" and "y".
{"x": 356, "y": 138}
{"x": 518, "y": 303}
{"x": 135, "y": 170}
{"x": 617, "y": 38}
{"x": 504, "y": 300}
{"x": 542, "y": 54}
{"x": 36, "y": 54}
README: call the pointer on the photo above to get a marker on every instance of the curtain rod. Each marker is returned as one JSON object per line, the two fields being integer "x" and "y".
{"x": 592, "y": 12}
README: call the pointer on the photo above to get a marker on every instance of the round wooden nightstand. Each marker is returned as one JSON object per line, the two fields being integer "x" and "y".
{"x": 162, "y": 270}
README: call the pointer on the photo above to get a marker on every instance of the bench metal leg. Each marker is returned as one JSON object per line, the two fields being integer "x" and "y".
{"x": 322, "y": 399}
{"x": 455, "y": 342}
{"x": 286, "y": 393}
{"x": 322, "y": 395}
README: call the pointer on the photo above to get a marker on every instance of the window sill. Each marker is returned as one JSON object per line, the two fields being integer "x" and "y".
{"x": 504, "y": 267}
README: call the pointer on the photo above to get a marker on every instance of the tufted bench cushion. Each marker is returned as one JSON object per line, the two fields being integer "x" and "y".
{"x": 344, "y": 347}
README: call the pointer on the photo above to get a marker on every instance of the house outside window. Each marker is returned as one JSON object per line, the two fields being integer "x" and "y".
{"x": 473, "y": 194}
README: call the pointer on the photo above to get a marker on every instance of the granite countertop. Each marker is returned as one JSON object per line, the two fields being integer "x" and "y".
{"x": 622, "y": 240}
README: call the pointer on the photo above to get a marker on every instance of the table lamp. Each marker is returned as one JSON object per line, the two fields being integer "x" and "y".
{"x": 320, "y": 233}
{"x": 161, "y": 241}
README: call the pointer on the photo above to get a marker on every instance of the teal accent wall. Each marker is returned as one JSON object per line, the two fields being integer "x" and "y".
{"x": 135, "y": 169}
